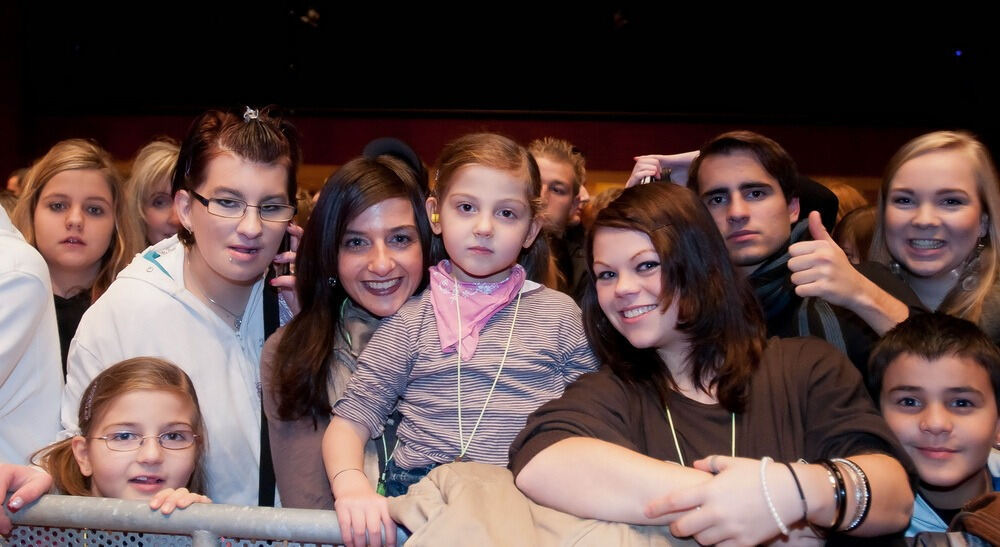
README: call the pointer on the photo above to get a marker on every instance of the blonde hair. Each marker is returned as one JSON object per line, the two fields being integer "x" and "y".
{"x": 78, "y": 154}
{"x": 967, "y": 304}
{"x": 562, "y": 151}
{"x": 154, "y": 163}
{"x": 848, "y": 197}
{"x": 140, "y": 373}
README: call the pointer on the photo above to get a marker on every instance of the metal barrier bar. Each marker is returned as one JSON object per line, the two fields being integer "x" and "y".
{"x": 260, "y": 523}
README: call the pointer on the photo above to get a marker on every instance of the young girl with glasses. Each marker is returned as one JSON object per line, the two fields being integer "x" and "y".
{"x": 141, "y": 437}
{"x": 198, "y": 299}
{"x": 474, "y": 354}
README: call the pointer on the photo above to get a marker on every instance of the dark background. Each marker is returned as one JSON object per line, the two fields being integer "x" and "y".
{"x": 841, "y": 88}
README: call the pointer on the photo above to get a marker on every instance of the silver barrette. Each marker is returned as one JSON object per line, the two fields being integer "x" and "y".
{"x": 250, "y": 114}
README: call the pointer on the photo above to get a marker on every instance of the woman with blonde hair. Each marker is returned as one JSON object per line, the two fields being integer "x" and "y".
{"x": 73, "y": 211}
{"x": 147, "y": 190}
{"x": 938, "y": 214}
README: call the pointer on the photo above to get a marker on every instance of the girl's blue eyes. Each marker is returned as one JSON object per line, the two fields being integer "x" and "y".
{"x": 62, "y": 207}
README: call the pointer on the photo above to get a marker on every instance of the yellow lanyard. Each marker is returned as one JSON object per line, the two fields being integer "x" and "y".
{"x": 677, "y": 445}
{"x": 463, "y": 445}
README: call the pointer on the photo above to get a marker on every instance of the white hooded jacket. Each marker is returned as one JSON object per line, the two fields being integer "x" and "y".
{"x": 147, "y": 311}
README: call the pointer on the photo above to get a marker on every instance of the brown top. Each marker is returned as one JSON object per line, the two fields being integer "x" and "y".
{"x": 296, "y": 446}
{"x": 806, "y": 401}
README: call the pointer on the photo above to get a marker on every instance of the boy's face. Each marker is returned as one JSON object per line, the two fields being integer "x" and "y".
{"x": 944, "y": 413}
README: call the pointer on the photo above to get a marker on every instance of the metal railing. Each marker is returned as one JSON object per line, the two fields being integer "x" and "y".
{"x": 205, "y": 523}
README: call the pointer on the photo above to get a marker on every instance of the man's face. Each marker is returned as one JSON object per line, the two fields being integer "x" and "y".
{"x": 557, "y": 192}
{"x": 748, "y": 206}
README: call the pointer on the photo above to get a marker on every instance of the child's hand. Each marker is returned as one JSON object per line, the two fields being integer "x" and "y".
{"x": 168, "y": 499}
{"x": 28, "y": 483}
{"x": 362, "y": 511}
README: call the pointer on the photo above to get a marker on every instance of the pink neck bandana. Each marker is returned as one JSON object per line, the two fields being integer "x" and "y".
{"x": 477, "y": 302}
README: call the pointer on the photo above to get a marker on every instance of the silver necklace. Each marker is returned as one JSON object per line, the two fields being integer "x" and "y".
{"x": 237, "y": 319}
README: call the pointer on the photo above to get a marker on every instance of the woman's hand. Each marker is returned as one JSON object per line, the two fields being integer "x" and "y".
{"x": 361, "y": 511}
{"x": 731, "y": 508}
{"x": 655, "y": 165}
{"x": 28, "y": 484}
{"x": 168, "y": 499}
{"x": 286, "y": 283}
{"x": 820, "y": 268}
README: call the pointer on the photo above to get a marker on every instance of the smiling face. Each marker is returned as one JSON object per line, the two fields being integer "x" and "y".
{"x": 629, "y": 283}
{"x": 748, "y": 207}
{"x": 235, "y": 250}
{"x": 158, "y": 211}
{"x": 138, "y": 474}
{"x": 485, "y": 221}
{"x": 933, "y": 213}
{"x": 380, "y": 261}
{"x": 74, "y": 220}
{"x": 944, "y": 413}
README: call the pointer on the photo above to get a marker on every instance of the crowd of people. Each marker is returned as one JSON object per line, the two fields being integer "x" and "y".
{"x": 694, "y": 350}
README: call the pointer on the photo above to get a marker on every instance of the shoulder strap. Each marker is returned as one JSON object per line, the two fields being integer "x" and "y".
{"x": 266, "y": 480}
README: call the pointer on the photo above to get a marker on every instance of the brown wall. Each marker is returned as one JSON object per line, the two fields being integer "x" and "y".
{"x": 609, "y": 142}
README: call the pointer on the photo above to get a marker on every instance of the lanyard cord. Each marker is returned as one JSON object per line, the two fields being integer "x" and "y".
{"x": 677, "y": 445}
{"x": 463, "y": 445}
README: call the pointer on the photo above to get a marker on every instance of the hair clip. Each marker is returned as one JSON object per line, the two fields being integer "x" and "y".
{"x": 89, "y": 402}
{"x": 250, "y": 114}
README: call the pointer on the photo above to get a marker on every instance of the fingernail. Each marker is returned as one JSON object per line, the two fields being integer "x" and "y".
{"x": 15, "y": 504}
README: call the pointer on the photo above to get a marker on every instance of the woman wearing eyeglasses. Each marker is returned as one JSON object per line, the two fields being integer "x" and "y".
{"x": 197, "y": 299}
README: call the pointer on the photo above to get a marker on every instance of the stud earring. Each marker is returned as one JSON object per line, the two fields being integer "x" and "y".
{"x": 435, "y": 218}
{"x": 332, "y": 281}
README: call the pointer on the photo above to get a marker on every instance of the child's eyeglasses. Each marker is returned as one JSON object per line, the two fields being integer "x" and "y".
{"x": 125, "y": 441}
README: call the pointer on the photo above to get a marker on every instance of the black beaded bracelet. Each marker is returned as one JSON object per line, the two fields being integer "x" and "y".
{"x": 839, "y": 493}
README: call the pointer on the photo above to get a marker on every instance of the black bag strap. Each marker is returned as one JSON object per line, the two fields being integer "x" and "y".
{"x": 265, "y": 496}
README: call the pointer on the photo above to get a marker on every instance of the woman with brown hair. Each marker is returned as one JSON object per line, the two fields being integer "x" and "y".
{"x": 691, "y": 380}
{"x": 198, "y": 299}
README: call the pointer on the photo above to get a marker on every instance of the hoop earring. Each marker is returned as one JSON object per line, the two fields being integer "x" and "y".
{"x": 970, "y": 273}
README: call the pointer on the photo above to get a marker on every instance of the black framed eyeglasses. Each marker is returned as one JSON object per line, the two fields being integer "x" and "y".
{"x": 126, "y": 441}
{"x": 236, "y": 208}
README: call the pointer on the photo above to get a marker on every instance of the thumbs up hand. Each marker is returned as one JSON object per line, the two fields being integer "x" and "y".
{"x": 820, "y": 267}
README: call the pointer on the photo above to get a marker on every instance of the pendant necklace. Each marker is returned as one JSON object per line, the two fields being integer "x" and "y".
{"x": 237, "y": 319}
{"x": 463, "y": 445}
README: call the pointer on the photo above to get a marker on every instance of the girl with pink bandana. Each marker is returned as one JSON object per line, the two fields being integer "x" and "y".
{"x": 472, "y": 356}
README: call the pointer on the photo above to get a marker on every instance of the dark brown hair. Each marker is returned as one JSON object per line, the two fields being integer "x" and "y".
{"x": 261, "y": 138}
{"x": 303, "y": 359}
{"x": 771, "y": 156}
{"x": 140, "y": 373}
{"x": 501, "y": 153}
{"x": 932, "y": 336}
{"x": 717, "y": 310}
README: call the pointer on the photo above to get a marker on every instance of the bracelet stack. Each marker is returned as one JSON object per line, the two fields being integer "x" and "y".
{"x": 862, "y": 492}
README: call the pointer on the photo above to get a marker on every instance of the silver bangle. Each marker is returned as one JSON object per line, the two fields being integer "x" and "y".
{"x": 862, "y": 492}
{"x": 767, "y": 496}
